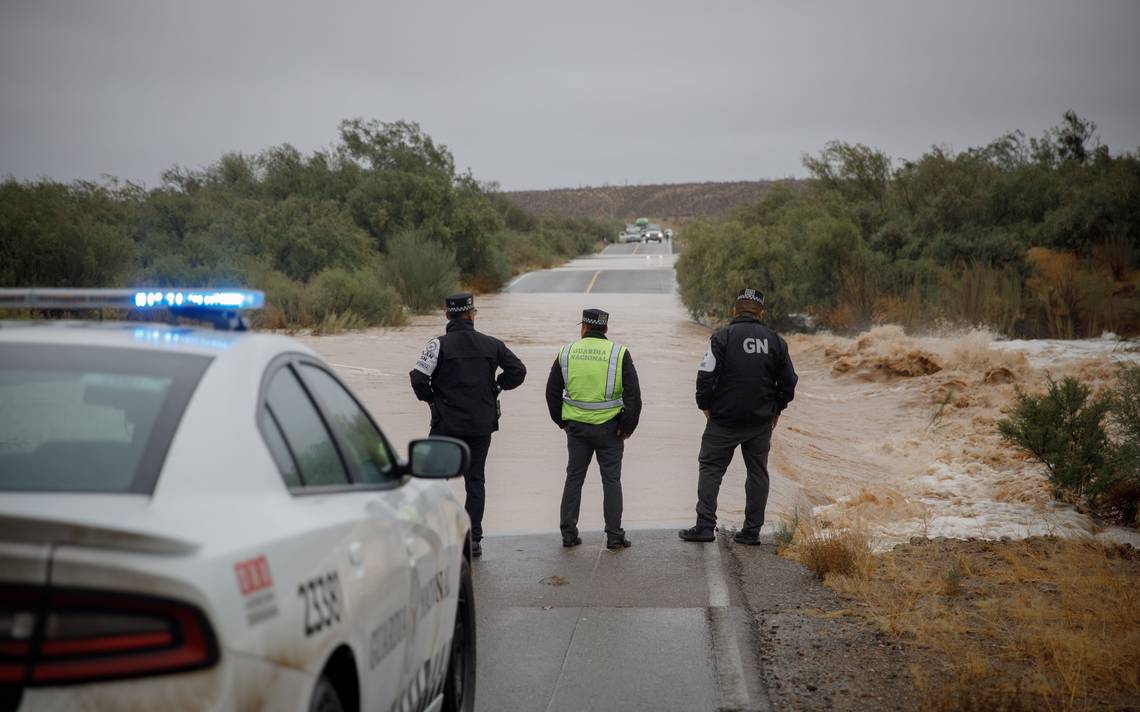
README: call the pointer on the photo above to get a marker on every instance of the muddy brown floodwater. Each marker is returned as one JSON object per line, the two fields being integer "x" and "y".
{"x": 887, "y": 431}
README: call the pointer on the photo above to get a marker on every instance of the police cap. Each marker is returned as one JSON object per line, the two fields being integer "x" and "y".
{"x": 595, "y": 317}
{"x": 751, "y": 295}
{"x": 459, "y": 303}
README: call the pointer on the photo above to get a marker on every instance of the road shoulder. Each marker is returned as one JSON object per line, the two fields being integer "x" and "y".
{"x": 814, "y": 654}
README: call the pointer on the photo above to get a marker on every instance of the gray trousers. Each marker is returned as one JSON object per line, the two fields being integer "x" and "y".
{"x": 583, "y": 441}
{"x": 717, "y": 447}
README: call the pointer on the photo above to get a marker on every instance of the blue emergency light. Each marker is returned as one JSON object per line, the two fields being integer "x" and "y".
{"x": 219, "y": 306}
{"x": 223, "y": 300}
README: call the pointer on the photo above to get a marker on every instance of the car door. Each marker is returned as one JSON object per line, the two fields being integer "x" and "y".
{"x": 434, "y": 553}
{"x": 422, "y": 539}
{"x": 374, "y": 466}
{"x": 351, "y": 573}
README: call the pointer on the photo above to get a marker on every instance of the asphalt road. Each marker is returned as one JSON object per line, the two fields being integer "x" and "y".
{"x": 659, "y": 626}
{"x": 634, "y": 268}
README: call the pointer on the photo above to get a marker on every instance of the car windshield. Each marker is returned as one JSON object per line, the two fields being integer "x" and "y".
{"x": 86, "y": 419}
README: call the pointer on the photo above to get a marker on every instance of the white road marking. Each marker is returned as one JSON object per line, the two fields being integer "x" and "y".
{"x": 726, "y": 649}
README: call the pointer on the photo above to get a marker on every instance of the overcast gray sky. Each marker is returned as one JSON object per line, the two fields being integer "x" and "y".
{"x": 538, "y": 94}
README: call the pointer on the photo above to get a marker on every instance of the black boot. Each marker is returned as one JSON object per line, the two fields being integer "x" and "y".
{"x": 571, "y": 541}
{"x": 476, "y": 549}
{"x": 618, "y": 542}
{"x": 751, "y": 538}
{"x": 697, "y": 534}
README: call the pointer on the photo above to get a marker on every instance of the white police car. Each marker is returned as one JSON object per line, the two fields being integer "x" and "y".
{"x": 192, "y": 518}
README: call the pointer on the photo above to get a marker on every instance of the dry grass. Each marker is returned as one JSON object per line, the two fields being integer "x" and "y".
{"x": 1046, "y": 623}
{"x": 840, "y": 553}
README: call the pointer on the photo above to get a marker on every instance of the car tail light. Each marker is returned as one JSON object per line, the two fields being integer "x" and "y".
{"x": 68, "y": 636}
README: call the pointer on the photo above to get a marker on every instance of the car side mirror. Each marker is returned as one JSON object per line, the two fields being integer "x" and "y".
{"x": 438, "y": 458}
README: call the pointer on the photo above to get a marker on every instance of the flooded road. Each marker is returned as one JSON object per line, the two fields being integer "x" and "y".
{"x": 526, "y": 466}
{"x": 887, "y": 431}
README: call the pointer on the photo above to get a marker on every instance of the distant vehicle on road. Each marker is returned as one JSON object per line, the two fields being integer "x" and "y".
{"x": 652, "y": 233}
{"x": 213, "y": 517}
{"x": 631, "y": 233}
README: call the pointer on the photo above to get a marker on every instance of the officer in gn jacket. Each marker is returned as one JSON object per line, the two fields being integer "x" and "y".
{"x": 593, "y": 394}
{"x": 456, "y": 376}
{"x": 745, "y": 380}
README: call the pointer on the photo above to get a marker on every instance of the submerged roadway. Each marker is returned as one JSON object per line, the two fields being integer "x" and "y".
{"x": 632, "y": 268}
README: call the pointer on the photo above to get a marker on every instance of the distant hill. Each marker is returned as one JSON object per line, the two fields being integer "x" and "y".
{"x": 673, "y": 202}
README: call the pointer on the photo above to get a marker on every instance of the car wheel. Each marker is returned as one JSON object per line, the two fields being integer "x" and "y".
{"x": 325, "y": 698}
{"x": 459, "y": 690}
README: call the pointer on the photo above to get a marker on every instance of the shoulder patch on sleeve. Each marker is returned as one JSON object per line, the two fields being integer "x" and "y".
{"x": 429, "y": 359}
{"x": 708, "y": 363}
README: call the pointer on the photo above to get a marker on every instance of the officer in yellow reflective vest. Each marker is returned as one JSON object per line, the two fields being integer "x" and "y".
{"x": 593, "y": 394}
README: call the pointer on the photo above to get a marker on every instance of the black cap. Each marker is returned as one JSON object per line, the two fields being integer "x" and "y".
{"x": 459, "y": 303}
{"x": 595, "y": 317}
{"x": 751, "y": 295}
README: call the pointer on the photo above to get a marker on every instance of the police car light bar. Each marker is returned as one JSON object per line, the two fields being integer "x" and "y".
{"x": 218, "y": 300}
{"x": 221, "y": 307}
{"x": 224, "y": 300}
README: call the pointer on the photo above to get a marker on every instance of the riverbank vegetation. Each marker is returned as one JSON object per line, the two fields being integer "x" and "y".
{"x": 1041, "y": 623}
{"x": 1034, "y": 237}
{"x": 1088, "y": 441}
{"x": 338, "y": 238}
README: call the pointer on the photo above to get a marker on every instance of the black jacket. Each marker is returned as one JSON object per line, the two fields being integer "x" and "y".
{"x": 630, "y": 392}
{"x": 456, "y": 375}
{"x": 747, "y": 375}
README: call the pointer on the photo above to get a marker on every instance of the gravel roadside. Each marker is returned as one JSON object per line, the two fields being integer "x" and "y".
{"x": 813, "y": 653}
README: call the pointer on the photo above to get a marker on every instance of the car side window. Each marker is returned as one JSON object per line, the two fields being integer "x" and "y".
{"x": 366, "y": 447}
{"x": 279, "y": 448}
{"x": 303, "y": 432}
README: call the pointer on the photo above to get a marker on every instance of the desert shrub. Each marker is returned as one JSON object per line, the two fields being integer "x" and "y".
{"x": 1126, "y": 404}
{"x": 1121, "y": 498}
{"x": 527, "y": 252}
{"x": 286, "y": 302}
{"x": 978, "y": 294}
{"x": 423, "y": 270}
{"x": 62, "y": 236}
{"x": 1087, "y": 442}
{"x": 364, "y": 293}
{"x": 1064, "y": 429}
{"x": 1118, "y": 255}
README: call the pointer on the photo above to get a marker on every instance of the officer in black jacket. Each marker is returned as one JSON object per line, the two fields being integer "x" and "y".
{"x": 456, "y": 376}
{"x": 743, "y": 384}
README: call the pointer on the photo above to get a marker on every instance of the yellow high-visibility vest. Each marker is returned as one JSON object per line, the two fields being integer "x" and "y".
{"x": 591, "y": 372}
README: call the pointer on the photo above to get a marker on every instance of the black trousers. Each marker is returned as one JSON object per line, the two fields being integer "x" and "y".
{"x": 475, "y": 480}
{"x": 583, "y": 442}
{"x": 717, "y": 447}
